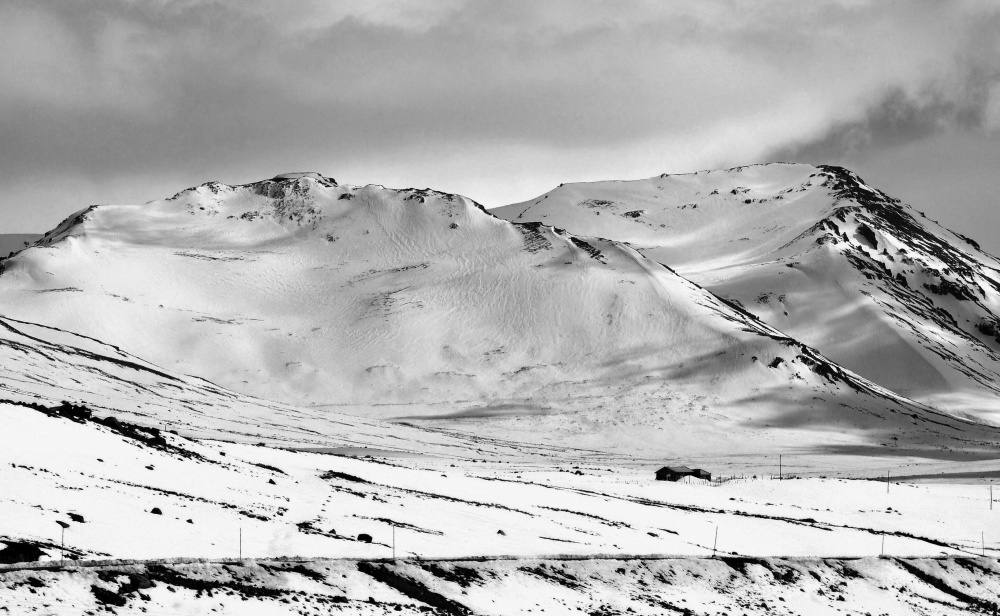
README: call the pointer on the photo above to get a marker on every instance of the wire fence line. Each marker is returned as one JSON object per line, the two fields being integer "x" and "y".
{"x": 688, "y": 480}
{"x": 713, "y": 482}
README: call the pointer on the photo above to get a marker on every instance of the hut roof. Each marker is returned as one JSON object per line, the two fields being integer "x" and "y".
{"x": 676, "y": 469}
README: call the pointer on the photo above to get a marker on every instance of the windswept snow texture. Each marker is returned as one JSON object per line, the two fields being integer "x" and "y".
{"x": 399, "y": 303}
{"x": 41, "y": 367}
{"x": 822, "y": 256}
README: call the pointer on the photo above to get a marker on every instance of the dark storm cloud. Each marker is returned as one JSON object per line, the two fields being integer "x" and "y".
{"x": 118, "y": 100}
{"x": 898, "y": 119}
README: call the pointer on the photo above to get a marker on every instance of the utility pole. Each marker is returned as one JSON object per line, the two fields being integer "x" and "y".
{"x": 779, "y": 468}
{"x": 982, "y": 537}
{"x": 991, "y": 497}
{"x": 62, "y": 541}
{"x": 883, "y": 544}
{"x": 716, "y": 542}
{"x": 241, "y": 544}
{"x": 887, "y": 481}
{"x": 394, "y": 542}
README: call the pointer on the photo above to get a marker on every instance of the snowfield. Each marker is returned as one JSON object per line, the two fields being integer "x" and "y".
{"x": 123, "y": 497}
{"x": 309, "y": 504}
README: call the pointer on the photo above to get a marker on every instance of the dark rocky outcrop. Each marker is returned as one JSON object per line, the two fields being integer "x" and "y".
{"x": 20, "y": 552}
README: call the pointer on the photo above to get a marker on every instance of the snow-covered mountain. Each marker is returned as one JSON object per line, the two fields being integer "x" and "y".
{"x": 512, "y": 343}
{"x": 415, "y": 302}
{"x": 822, "y": 256}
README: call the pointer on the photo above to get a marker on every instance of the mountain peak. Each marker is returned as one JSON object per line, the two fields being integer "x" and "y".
{"x": 821, "y": 255}
{"x": 297, "y": 175}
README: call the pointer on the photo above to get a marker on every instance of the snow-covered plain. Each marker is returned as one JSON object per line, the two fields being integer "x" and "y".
{"x": 823, "y": 257}
{"x": 312, "y": 504}
{"x": 224, "y": 501}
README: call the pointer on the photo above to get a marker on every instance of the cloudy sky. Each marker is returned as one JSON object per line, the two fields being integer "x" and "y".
{"x": 127, "y": 101}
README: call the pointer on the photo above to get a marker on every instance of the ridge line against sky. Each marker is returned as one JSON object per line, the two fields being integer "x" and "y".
{"x": 121, "y": 101}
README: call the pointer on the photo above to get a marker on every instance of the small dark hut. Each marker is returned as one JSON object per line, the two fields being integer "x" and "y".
{"x": 675, "y": 473}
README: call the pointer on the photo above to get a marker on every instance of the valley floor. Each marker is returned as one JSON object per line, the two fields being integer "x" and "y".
{"x": 475, "y": 525}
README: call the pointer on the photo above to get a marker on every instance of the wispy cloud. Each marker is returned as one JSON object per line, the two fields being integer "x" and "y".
{"x": 964, "y": 101}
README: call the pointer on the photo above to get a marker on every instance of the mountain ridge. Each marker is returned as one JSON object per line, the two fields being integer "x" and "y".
{"x": 304, "y": 290}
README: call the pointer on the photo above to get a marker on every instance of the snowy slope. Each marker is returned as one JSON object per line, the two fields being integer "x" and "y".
{"x": 822, "y": 256}
{"x": 45, "y": 366}
{"x": 399, "y": 303}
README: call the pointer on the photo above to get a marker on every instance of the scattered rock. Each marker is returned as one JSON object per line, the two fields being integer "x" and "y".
{"x": 18, "y": 552}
